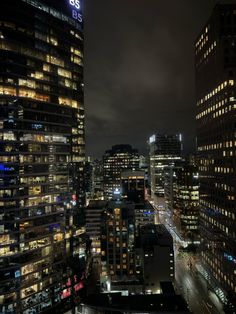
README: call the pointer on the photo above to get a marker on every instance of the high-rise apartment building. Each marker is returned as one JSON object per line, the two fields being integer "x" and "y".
{"x": 164, "y": 150}
{"x": 116, "y": 160}
{"x": 41, "y": 153}
{"x": 117, "y": 242}
{"x": 215, "y": 57}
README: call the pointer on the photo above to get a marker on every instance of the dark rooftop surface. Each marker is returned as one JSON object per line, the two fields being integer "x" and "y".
{"x": 158, "y": 303}
{"x": 155, "y": 235}
{"x": 97, "y": 204}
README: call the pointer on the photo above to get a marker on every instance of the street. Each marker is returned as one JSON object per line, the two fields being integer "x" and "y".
{"x": 193, "y": 288}
{"x": 189, "y": 283}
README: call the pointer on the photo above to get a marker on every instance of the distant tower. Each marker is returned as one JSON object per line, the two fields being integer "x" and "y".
{"x": 116, "y": 160}
{"x": 164, "y": 150}
{"x": 186, "y": 201}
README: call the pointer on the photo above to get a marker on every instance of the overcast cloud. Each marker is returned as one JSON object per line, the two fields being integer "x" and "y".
{"x": 139, "y": 70}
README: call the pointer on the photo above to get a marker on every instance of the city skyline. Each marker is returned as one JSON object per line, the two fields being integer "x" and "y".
{"x": 141, "y": 66}
{"x": 144, "y": 221}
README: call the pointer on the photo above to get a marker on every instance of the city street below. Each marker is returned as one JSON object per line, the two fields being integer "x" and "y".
{"x": 189, "y": 282}
{"x": 193, "y": 287}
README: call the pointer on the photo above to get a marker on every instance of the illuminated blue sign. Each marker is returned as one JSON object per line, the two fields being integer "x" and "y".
{"x": 17, "y": 274}
{"x": 53, "y": 226}
{"x": 148, "y": 213}
{"x": 230, "y": 258}
{"x": 76, "y": 7}
{"x": 5, "y": 168}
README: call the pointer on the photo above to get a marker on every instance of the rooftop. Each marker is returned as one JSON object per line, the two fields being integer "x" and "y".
{"x": 151, "y": 234}
{"x": 158, "y": 303}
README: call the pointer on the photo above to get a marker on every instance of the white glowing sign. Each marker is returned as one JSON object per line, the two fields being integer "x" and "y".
{"x": 75, "y": 3}
{"x": 76, "y": 6}
{"x": 152, "y": 139}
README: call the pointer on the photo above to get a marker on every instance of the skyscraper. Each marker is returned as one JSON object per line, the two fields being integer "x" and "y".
{"x": 215, "y": 57}
{"x": 116, "y": 160}
{"x": 164, "y": 150}
{"x": 41, "y": 153}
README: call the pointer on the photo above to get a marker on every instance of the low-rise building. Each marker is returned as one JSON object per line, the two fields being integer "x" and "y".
{"x": 155, "y": 257}
{"x": 115, "y": 303}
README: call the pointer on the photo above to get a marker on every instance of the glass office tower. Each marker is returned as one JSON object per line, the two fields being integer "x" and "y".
{"x": 164, "y": 150}
{"x": 185, "y": 194}
{"x": 215, "y": 56}
{"x": 120, "y": 158}
{"x": 41, "y": 153}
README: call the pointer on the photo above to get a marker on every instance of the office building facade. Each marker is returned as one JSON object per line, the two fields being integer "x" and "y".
{"x": 97, "y": 184}
{"x": 144, "y": 214}
{"x": 133, "y": 186}
{"x": 168, "y": 187}
{"x": 88, "y": 179}
{"x": 215, "y": 62}
{"x": 116, "y": 160}
{"x": 42, "y": 153}
{"x": 164, "y": 150}
{"x": 186, "y": 201}
{"x": 93, "y": 214}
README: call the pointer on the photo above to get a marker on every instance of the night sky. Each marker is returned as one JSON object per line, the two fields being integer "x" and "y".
{"x": 139, "y": 70}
